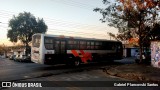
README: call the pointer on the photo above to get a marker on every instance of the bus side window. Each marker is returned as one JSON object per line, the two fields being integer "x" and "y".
{"x": 105, "y": 46}
{"x": 108, "y": 46}
{"x": 83, "y": 45}
{"x": 119, "y": 46}
{"x": 72, "y": 44}
{"x": 57, "y": 44}
{"x": 112, "y": 46}
{"x": 49, "y": 46}
{"x": 92, "y": 45}
{"x": 48, "y": 42}
{"x": 88, "y": 45}
{"x": 98, "y": 45}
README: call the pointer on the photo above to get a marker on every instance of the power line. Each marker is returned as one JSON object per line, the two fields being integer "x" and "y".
{"x": 79, "y": 28}
{"x": 75, "y": 25}
{"x": 3, "y": 23}
{"x": 82, "y": 3}
{"x": 2, "y": 26}
{"x": 57, "y": 20}
{"x": 68, "y": 31}
{"x": 78, "y": 34}
{"x": 72, "y": 24}
{"x": 61, "y": 23}
{"x": 8, "y": 12}
{"x": 73, "y": 4}
{"x": 74, "y": 31}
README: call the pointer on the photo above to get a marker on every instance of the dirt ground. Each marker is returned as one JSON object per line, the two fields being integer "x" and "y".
{"x": 136, "y": 72}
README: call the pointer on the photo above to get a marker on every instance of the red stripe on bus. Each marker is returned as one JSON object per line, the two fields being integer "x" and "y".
{"x": 82, "y": 52}
{"x": 86, "y": 56}
{"x": 74, "y": 52}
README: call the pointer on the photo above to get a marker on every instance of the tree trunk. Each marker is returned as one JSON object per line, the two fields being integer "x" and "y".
{"x": 26, "y": 49}
{"x": 140, "y": 46}
{"x": 140, "y": 41}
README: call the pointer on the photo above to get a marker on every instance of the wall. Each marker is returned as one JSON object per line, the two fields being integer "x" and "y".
{"x": 134, "y": 51}
{"x": 155, "y": 54}
{"x": 130, "y": 52}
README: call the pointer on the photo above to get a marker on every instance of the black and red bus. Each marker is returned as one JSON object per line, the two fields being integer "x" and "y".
{"x": 58, "y": 49}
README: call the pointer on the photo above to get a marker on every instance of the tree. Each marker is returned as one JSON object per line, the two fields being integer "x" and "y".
{"x": 131, "y": 15}
{"x": 153, "y": 35}
{"x": 3, "y": 50}
{"x": 23, "y": 26}
{"x": 120, "y": 36}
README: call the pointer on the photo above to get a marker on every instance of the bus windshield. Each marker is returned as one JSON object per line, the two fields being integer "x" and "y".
{"x": 36, "y": 40}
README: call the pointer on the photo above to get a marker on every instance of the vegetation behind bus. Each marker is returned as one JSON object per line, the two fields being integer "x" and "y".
{"x": 131, "y": 16}
{"x": 23, "y": 26}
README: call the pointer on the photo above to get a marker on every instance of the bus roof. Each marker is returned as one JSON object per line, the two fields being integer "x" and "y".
{"x": 74, "y": 37}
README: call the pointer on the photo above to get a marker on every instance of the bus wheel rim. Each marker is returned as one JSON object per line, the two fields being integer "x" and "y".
{"x": 76, "y": 63}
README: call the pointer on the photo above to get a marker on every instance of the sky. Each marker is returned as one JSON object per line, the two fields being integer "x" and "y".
{"x": 63, "y": 17}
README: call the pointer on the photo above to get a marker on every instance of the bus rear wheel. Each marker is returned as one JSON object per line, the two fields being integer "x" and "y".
{"x": 77, "y": 61}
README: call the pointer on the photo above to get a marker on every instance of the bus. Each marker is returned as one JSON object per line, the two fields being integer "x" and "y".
{"x": 60, "y": 49}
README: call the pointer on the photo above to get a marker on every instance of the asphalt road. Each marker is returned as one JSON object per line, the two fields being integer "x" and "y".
{"x": 22, "y": 71}
{"x": 14, "y": 71}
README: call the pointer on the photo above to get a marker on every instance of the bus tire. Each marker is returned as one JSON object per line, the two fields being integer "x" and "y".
{"x": 77, "y": 61}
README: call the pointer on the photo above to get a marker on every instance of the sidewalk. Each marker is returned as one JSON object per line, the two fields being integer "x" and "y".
{"x": 136, "y": 72}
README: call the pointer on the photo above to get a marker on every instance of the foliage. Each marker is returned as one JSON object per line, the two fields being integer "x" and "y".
{"x": 120, "y": 36}
{"x": 131, "y": 16}
{"x": 23, "y": 26}
{"x": 3, "y": 49}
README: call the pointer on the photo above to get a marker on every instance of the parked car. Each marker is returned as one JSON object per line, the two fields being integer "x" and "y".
{"x": 12, "y": 57}
{"x": 2, "y": 56}
{"x": 146, "y": 57}
{"x": 25, "y": 58}
{"x": 22, "y": 58}
{"x": 17, "y": 57}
